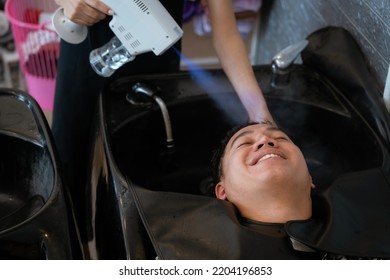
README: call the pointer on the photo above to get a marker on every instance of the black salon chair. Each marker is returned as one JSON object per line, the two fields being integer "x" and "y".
{"x": 36, "y": 220}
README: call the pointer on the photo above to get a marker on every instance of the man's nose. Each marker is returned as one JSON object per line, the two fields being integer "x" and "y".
{"x": 265, "y": 141}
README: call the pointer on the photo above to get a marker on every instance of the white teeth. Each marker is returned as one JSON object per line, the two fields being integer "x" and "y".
{"x": 268, "y": 156}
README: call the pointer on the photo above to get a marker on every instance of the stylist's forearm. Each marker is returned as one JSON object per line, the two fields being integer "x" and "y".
{"x": 234, "y": 59}
{"x": 240, "y": 73}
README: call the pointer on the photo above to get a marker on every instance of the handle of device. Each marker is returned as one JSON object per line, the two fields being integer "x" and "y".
{"x": 68, "y": 30}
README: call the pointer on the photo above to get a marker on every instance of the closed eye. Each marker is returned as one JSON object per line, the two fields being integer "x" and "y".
{"x": 282, "y": 137}
{"x": 243, "y": 144}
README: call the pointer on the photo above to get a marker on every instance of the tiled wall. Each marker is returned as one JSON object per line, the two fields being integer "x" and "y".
{"x": 288, "y": 21}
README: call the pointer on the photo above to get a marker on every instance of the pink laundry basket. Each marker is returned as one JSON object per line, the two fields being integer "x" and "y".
{"x": 37, "y": 45}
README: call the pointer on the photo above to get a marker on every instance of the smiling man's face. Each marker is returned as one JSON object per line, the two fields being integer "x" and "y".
{"x": 261, "y": 163}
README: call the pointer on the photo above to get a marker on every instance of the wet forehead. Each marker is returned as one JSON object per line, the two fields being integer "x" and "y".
{"x": 251, "y": 129}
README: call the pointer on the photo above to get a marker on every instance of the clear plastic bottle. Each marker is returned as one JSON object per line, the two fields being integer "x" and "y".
{"x": 108, "y": 58}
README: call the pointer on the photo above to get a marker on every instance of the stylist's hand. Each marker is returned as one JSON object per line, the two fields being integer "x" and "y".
{"x": 84, "y": 12}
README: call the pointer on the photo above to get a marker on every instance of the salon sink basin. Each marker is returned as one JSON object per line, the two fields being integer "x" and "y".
{"x": 19, "y": 201}
{"x": 36, "y": 221}
{"x": 130, "y": 147}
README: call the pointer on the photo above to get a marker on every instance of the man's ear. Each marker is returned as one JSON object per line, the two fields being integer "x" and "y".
{"x": 220, "y": 191}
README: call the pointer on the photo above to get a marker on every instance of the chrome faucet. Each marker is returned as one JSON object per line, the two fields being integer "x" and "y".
{"x": 283, "y": 60}
{"x": 146, "y": 90}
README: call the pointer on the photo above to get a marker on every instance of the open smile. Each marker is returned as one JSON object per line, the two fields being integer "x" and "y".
{"x": 265, "y": 155}
{"x": 268, "y": 156}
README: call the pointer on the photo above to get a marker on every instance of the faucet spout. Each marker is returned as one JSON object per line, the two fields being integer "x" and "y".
{"x": 146, "y": 90}
{"x": 287, "y": 56}
{"x": 283, "y": 60}
{"x": 167, "y": 121}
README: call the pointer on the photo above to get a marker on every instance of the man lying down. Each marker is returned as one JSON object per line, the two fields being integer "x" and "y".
{"x": 264, "y": 174}
{"x": 266, "y": 209}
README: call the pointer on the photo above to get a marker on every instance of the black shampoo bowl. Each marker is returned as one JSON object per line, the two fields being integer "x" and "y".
{"x": 130, "y": 146}
{"x": 35, "y": 220}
